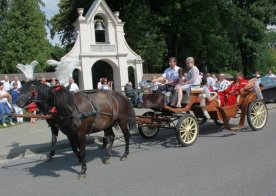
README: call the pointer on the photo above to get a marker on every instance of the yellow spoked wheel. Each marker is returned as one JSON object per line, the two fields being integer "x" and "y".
{"x": 257, "y": 115}
{"x": 187, "y": 130}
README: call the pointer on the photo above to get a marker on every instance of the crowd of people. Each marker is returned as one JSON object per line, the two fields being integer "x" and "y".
{"x": 104, "y": 84}
{"x": 174, "y": 81}
{"x": 9, "y": 92}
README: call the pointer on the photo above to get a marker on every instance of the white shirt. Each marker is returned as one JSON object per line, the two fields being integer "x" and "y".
{"x": 99, "y": 85}
{"x": 18, "y": 84}
{"x": 271, "y": 75}
{"x": 74, "y": 88}
{"x": 105, "y": 87}
{"x": 193, "y": 76}
{"x": 211, "y": 81}
{"x": 222, "y": 86}
{"x": 6, "y": 85}
{"x": 171, "y": 74}
{"x": 4, "y": 99}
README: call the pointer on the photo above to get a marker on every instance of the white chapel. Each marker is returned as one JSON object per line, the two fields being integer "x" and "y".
{"x": 100, "y": 42}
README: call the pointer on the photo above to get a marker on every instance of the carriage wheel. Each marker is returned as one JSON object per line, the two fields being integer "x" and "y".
{"x": 148, "y": 132}
{"x": 257, "y": 115}
{"x": 187, "y": 130}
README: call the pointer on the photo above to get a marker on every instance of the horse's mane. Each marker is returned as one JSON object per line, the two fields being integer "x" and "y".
{"x": 65, "y": 103}
{"x": 63, "y": 96}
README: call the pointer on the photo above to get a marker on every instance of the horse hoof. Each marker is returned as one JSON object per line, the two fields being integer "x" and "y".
{"x": 49, "y": 158}
{"x": 106, "y": 161}
{"x": 81, "y": 176}
{"x": 102, "y": 147}
{"x": 123, "y": 158}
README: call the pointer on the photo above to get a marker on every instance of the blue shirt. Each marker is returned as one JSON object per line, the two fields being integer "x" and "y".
{"x": 14, "y": 95}
{"x": 171, "y": 74}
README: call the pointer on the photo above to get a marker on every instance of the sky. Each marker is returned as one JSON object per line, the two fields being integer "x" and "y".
{"x": 50, "y": 10}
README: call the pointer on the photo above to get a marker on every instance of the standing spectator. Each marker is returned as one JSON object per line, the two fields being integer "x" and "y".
{"x": 110, "y": 84}
{"x": 4, "y": 105}
{"x": 72, "y": 86}
{"x": 270, "y": 74}
{"x": 6, "y": 83}
{"x": 16, "y": 79}
{"x": 257, "y": 74}
{"x": 104, "y": 84}
{"x": 99, "y": 85}
{"x": 14, "y": 94}
{"x": 53, "y": 82}
{"x": 44, "y": 81}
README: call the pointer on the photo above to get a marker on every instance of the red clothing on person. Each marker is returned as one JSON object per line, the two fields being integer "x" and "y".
{"x": 232, "y": 91}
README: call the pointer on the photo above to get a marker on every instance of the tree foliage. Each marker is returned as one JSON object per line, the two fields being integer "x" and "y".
{"x": 221, "y": 34}
{"x": 23, "y": 36}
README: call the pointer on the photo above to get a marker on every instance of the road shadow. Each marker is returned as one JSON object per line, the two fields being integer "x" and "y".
{"x": 65, "y": 159}
{"x": 18, "y": 150}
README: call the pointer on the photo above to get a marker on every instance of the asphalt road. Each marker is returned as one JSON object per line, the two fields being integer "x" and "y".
{"x": 219, "y": 163}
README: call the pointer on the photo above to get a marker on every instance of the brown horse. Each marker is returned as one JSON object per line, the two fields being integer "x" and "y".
{"x": 85, "y": 112}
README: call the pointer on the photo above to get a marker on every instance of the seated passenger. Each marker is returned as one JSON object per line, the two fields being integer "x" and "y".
{"x": 131, "y": 93}
{"x": 220, "y": 87}
{"x": 210, "y": 96}
{"x": 168, "y": 78}
{"x": 178, "y": 87}
{"x": 192, "y": 79}
{"x": 230, "y": 94}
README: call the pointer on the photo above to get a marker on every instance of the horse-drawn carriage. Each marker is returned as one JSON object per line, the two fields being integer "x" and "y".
{"x": 249, "y": 104}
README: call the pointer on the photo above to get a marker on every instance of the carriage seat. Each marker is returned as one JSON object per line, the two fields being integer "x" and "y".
{"x": 208, "y": 105}
{"x": 250, "y": 86}
{"x": 196, "y": 90}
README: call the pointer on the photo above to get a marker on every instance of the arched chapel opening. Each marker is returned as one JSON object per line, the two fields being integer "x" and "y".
{"x": 99, "y": 70}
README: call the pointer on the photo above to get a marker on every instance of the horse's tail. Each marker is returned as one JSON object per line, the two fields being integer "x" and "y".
{"x": 132, "y": 118}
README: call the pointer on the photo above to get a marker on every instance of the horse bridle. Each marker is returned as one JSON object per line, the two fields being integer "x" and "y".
{"x": 33, "y": 97}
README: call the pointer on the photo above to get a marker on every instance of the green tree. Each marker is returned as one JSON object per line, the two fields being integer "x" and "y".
{"x": 3, "y": 8}
{"x": 245, "y": 24}
{"x": 23, "y": 36}
{"x": 221, "y": 34}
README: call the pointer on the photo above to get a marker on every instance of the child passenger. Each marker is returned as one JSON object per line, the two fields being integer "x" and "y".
{"x": 210, "y": 96}
{"x": 178, "y": 87}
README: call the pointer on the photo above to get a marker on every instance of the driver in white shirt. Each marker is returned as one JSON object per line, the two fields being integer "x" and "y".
{"x": 169, "y": 78}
